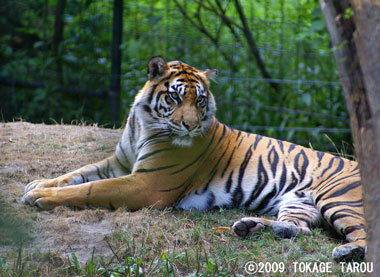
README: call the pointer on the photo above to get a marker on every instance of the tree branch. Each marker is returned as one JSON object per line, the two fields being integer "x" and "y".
{"x": 220, "y": 12}
{"x": 252, "y": 46}
{"x": 202, "y": 29}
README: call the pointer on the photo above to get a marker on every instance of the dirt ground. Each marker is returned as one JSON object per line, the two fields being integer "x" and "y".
{"x": 35, "y": 151}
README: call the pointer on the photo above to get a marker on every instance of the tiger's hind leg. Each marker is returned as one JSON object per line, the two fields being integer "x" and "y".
{"x": 293, "y": 219}
{"x": 341, "y": 206}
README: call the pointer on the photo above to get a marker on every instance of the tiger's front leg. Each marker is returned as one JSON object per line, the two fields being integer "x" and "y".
{"x": 107, "y": 168}
{"x": 132, "y": 191}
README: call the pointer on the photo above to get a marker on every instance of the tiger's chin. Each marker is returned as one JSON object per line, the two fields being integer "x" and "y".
{"x": 183, "y": 141}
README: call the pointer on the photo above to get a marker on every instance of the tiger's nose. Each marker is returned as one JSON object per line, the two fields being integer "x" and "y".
{"x": 189, "y": 125}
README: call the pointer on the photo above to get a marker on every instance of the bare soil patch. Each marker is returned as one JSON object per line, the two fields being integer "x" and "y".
{"x": 35, "y": 151}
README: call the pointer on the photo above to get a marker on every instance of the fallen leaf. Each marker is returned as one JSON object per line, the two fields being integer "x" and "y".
{"x": 220, "y": 229}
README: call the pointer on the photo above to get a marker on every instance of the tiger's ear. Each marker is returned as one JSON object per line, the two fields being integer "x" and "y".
{"x": 156, "y": 67}
{"x": 211, "y": 74}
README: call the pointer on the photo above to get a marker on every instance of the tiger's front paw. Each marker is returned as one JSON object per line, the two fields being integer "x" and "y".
{"x": 247, "y": 225}
{"x": 42, "y": 183}
{"x": 43, "y": 198}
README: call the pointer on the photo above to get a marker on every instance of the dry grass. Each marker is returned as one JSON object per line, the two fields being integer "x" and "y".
{"x": 98, "y": 242}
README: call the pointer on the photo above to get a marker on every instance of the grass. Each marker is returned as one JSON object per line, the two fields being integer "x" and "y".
{"x": 147, "y": 242}
{"x": 181, "y": 243}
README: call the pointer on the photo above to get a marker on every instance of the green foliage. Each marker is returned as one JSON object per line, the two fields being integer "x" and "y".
{"x": 348, "y": 13}
{"x": 290, "y": 35}
{"x": 14, "y": 230}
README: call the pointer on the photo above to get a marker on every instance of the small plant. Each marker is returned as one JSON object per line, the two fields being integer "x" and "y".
{"x": 348, "y": 13}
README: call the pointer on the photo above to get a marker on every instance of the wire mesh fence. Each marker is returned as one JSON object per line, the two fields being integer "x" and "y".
{"x": 307, "y": 103}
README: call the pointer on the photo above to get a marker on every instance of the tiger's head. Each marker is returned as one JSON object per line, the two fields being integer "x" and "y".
{"x": 176, "y": 99}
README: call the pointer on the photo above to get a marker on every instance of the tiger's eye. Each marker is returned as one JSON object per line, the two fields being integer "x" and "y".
{"x": 175, "y": 97}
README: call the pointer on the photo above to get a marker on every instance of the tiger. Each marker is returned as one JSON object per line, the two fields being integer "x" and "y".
{"x": 175, "y": 153}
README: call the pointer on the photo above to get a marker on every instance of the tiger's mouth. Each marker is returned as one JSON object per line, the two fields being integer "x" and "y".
{"x": 185, "y": 138}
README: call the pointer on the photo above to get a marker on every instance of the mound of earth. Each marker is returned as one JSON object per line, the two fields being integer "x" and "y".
{"x": 35, "y": 151}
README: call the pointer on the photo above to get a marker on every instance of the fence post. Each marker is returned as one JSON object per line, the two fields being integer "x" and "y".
{"x": 114, "y": 93}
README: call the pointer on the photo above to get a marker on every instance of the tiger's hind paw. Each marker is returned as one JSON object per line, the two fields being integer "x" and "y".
{"x": 284, "y": 229}
{"x": 348, "y": 251}
{"x": 247, "y": 225}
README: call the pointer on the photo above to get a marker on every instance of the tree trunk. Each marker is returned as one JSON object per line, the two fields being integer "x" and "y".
{"x": 58, "y": 36}
{"x": 117, "y": 31}
{"x": 354, "y": 27}
{"x": 58, "y": 25}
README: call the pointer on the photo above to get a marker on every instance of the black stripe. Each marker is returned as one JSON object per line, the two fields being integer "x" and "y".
{"x": 213, "y": 172}
{"x": 280, "y": 143}
{"x": 290, "y": 209}
{"x": 257, "y": 140}
{"x": 107, "y": 173}
{"x": 112, "y": 173}
{"x": 223, "y": 133}
{"x": 132, "y": 124}
{"x": 262, "y": 181}
{"x": 123, "y": 166}
{"x": 89, "y": 191}
{"x": 339, "y": 168}
{"x": 175, "y": 188}
{"x": 228, "y": 162}
{"x": 273, "y": 160}
{"x": 351, "y": 229}
{"x": 147, "y": 155}
{"x": 308, "y": 222}
{"x": 237, "y": 137}
{"x": 340, "y": 192}
{"x": 334, "y": 217}
{"x": 269, "y": 144}
{"x": 210, "y": 200}
{"x": 244, "y": 164}
{"x": 152, "y": 137}
{"x": 264, "y": 202}
{"x": 241, "y": 140}
{"x": 307, "y": 185}
{"x": 98, "y": 172}
{"x": 227, "y": 187}
{"x": 320, "y": 156}
{"x": 147, "y": 109}
{"x": 356, "y": 168}
{"x": 301, "y": 171}
{"x": 344, "y": 190}
{"x": 291, "y": 147}
{"x": 328, "y": 167}
{"x": 151, "y": 93}
{"x": 122, "y": 150}
{"x": 283, "y": 177}
{"x": 156, "y": 169}
{"x": 238, "y": 194}
{"x": 335, "y": 181}
{"x": 357, "y": 203}
{"x": 292, "y": 184}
